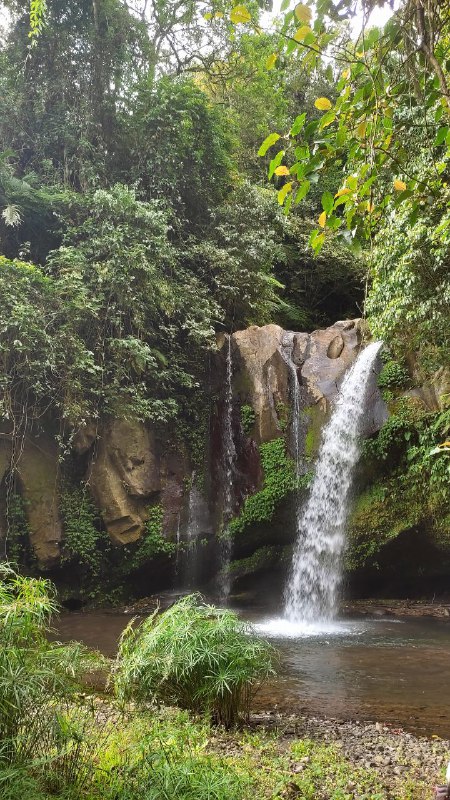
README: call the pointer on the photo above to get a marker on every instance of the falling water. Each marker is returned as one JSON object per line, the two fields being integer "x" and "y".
{"x": 190, "y": 571}
{"x": 311, "y": 594}
{"x": 229, "y": 448}
{"x": 178, "y": 550}
{"x": 286, "y": 352}
{"x": 229, "y": 460}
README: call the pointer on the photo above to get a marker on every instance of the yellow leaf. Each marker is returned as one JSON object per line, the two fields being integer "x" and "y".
{"x": 387, "y": 141}
{"x": 399, "y": 185}
{"x": 271, "y": 61}
{"x": 322, "y": 103}
{"x": 303, "y": 13}
{"x": 444, "y": 444}
{"x": 323, "y": 219}
{"x": 346, "y": 74}
{"x": 218, "y": 15}
{"x": 370, "y": 207}
{"x": 345, "y": 190}
{"x": 361, "y": 129}
{"x": 284, "y": 191}
{"x": 239, "y": 15}
{"x": 359, "y": 54}
{"x": 301, "y": 33}
{"x": 282, "y": 170}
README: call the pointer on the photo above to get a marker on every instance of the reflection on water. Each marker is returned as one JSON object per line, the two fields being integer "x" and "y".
{"x": 362, "y": 669}
{"x": 386, "y": 670}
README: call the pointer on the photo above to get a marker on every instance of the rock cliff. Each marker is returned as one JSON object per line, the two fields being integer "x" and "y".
{"x": 139, "y": 477}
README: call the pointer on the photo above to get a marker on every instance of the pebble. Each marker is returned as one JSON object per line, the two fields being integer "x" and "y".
{"x": 396, "y": 755}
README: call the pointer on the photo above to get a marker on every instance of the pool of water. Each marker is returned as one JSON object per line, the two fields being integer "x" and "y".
{"x": 382, "y": 669}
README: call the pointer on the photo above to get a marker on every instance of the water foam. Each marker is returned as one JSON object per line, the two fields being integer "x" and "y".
{"x": 312, "y": 592}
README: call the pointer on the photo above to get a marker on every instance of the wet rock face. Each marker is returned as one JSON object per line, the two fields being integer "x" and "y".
{"x": 124, "y": 473}
{"x": 433, "y": 395}
{"x": 129, "y": 469}
{"x": 322, "y": 359}
{"x": 35, "y": 463}
{"x": 262, "y": 376}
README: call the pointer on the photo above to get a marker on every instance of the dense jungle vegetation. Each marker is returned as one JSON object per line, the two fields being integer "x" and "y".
{"x": 171, "y": 172}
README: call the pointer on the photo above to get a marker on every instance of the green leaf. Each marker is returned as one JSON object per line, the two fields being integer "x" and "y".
{"x": 327, "y": 202}
{"x": 275, "y": 163}
{"x": 302, "y": 191}
{"x": 316, "y": 240}
{"x": 284, "y": 191}
{"x": 268, "y": 142}
{"x": 298, "y": 124}
{"x": 441, "y": 136}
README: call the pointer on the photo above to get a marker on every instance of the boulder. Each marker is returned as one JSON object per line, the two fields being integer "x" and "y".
{"x": 123, "y": 476}
{"x": 38, "y": 472}
{"x": 263, "y": 376}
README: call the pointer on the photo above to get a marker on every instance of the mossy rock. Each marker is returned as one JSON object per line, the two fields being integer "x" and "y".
{"x": 383, "y": 513}
{"x": 316, "y": 419}
{"x": 263, "y": 559}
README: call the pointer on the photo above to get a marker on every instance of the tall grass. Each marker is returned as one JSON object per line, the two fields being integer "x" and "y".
{"x": 36, "y": 677}
{"x": 195, "y": 656}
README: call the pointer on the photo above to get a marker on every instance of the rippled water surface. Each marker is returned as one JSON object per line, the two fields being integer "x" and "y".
{"x": 383, "y": 669}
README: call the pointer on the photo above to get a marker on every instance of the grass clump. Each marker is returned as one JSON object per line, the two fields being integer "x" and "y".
{"x": 195, "y": 656}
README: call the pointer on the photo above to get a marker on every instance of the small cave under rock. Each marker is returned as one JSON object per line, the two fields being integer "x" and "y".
{"x": 411, "y": 566}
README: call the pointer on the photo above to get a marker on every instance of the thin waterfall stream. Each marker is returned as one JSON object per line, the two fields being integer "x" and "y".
{"x": 312, "y": 591}
{"x": 229, "y": 450}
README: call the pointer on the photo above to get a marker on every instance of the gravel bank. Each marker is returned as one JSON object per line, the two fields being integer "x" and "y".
{"x": 396, "y": 755}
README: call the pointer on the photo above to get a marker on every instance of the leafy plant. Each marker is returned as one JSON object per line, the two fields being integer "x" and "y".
{"x": 35, "y": 675}
{"x": 196, "y": 656}
{"x": 247, "y": 419}
{"x": 279, "y": 480}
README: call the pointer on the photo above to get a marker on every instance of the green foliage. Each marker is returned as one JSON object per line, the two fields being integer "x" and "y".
{"x": 178, "y": 149}
{"x": 409, "y": 301}
{"x": 35, "y": 675}
{"x": 236, "y": 259}
{"x": 388, "y": 95}
{"x": 411, "y": 490}
{"x": 85, "y": 546}
{"x": 247, "y": 419}
{"x": 196, "y": 656}
{"x": 152, "y": 544}
{"x": 264, "y": 558}
{"x": 401, "y": 428}
{"x": 329, "y": 772}
{"x": 17, "y": 543}
{"x": 279, "y": 480}
{"x": 393, "y": 376}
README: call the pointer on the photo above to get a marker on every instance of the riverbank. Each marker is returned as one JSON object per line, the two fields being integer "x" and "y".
{"x": 396, "y": 608}
{"x": 285, "y": 757}
{"x": 349, "y": 608}
{"x": 401, "y": 761}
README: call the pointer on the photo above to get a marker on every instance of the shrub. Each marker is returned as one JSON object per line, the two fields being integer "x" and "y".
{"x": 36, "y": 676}
{"x": 196, "y": 656}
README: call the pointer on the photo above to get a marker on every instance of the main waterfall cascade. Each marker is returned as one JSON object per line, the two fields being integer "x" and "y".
{"x": 312, "y": 590}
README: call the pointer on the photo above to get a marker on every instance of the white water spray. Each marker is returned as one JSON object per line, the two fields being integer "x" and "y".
{"x": 228, "y": 441}
{"x": 192, "y": 535}
{"x": 311, "y": 594}
{"x": 229, "y": 460}
{"x": 286, "y": 352}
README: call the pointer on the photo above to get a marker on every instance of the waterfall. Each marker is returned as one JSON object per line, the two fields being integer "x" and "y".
{"x": 178, "y": 550}
{"x": 286, "y": 352}
{"x": 190, "y": 577}
{"x": 229, "y": 448}
{"x": 311, "y": 594}
{"x": 229, "y": 451}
